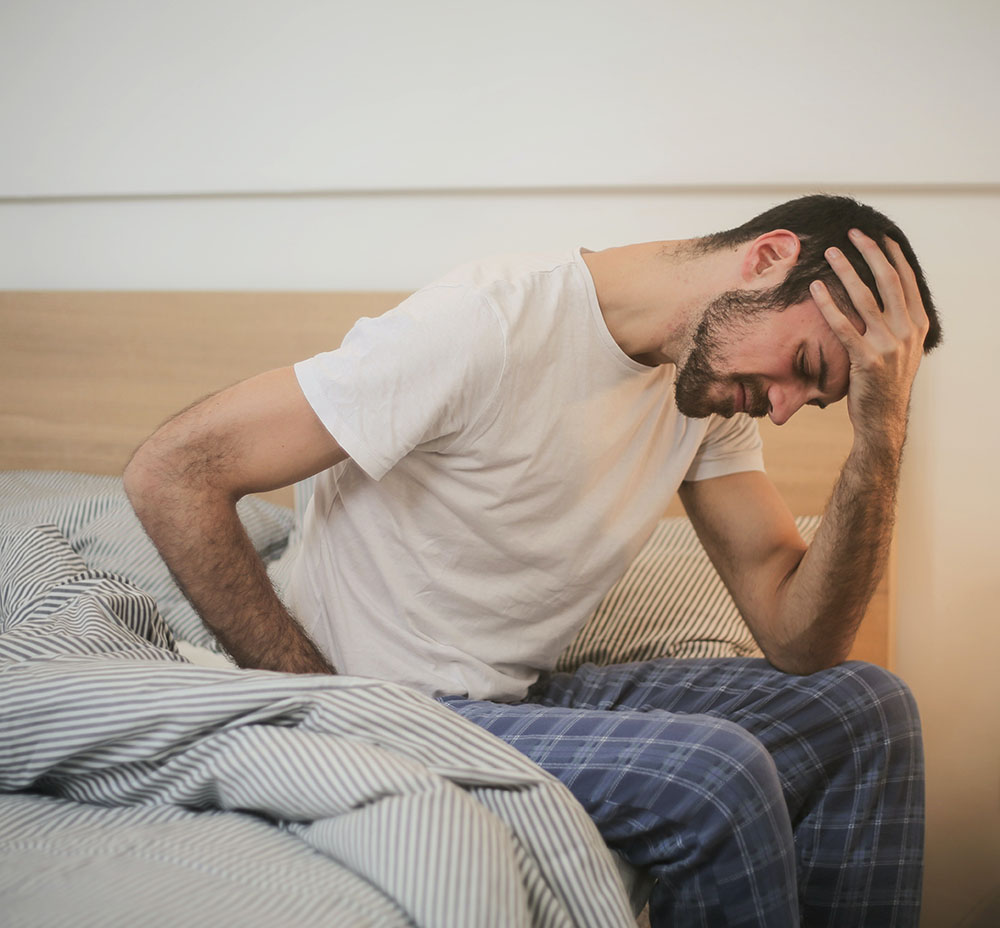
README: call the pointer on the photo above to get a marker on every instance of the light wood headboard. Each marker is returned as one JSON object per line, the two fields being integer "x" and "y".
{"x": 84, "y": 377}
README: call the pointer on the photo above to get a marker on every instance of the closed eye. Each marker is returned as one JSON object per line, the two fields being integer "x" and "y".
{"x": 823, "y": 371}
{"x": 805, "y": 373}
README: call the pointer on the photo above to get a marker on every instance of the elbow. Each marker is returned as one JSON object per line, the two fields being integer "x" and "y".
{"x": 159, "y": 469}
{"x": 171, "y": 470}
{"x": 804, "y": 659}
{"x": 803, "y": 667}
{"x": 137, "y": 475}
{"x": 802, "y": 642}
{"x": 145, "y": 477}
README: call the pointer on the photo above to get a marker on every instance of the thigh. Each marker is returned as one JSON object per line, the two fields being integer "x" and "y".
{"x": 750, "y": 692}
{"x": 695, "y": 801}
{"x": 837, "y": 730}
{"x": 642, "y": 776}
{"x": 725, "y": 687}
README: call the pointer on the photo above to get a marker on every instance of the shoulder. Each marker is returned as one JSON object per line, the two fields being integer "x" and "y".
{"x": 535, "y": 297}
{"x": 513, "y": 270}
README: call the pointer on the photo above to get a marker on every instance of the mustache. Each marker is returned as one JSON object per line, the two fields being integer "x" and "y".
{"x": 757, "y": 405}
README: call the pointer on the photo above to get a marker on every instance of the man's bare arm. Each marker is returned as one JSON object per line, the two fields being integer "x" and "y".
{"x": 804, "y": 605}
{"x": 184, "y": 483}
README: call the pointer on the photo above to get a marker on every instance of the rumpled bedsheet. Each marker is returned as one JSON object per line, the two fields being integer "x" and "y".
{"x": 149, "y": 790}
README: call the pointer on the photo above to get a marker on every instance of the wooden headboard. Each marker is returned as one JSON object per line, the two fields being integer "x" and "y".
{"x": 84, "y": 377}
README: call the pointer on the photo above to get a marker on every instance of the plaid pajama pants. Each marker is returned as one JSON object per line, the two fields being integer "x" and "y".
{"x": 752, "y": 796}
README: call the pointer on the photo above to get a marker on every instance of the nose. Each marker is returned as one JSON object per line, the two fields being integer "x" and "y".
{"x": 785, "y": 402}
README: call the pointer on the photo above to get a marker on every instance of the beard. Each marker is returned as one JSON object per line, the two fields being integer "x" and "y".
{"x": 696, "y": 387}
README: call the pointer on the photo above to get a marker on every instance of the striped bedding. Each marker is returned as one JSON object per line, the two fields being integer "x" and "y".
{"x": 137, "y": 788}
{"x": 670, "y": 602}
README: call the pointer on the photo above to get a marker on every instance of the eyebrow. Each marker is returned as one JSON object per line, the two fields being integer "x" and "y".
{"x": 823, "y": 370}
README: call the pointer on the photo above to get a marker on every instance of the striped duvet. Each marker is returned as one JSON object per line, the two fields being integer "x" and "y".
{"x": 136, "y": 788}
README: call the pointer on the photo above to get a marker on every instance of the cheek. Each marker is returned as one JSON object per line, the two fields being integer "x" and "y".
{"x": 745, "y": 356}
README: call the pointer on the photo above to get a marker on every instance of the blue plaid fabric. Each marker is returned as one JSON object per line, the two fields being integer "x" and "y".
{"x": 752, "y": 796}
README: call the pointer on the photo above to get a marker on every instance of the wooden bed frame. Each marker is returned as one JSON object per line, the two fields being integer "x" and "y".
{"x": 84, "y": 377}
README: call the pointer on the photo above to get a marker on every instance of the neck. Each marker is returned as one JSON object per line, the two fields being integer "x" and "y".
{"x": 652, "y": 295}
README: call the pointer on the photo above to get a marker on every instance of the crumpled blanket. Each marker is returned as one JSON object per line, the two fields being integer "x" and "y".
{"x": 359, "y": 802}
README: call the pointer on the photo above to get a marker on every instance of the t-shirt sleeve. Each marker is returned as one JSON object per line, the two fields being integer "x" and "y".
{"x": 418, "y": 374}
{"x": 730, "y": 446}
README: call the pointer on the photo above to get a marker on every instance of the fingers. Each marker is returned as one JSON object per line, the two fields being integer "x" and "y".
{"x": 842, "y": 327}
{"x": 896, "y": 283}
{"x": 908, "y": 280}
{"x": 886, "y": 278}
{"x": 860, "y": 295}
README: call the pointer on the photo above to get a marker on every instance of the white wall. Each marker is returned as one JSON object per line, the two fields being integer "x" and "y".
{"x": 374, "y": 145}
{"x": 237, "y": 95}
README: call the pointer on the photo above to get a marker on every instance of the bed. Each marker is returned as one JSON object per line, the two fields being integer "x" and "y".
{"x": 146, "y": 779}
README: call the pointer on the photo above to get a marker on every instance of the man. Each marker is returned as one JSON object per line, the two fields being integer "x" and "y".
{"x": 495, "y": 451}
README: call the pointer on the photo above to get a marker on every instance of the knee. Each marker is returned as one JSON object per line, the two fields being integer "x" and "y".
{"x": 704, "y": 768}
{"x": 877, "y": 696}
{"x": 740, "y": 773}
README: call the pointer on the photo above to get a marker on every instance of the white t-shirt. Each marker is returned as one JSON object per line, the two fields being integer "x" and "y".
{"x": 508, "y": 460}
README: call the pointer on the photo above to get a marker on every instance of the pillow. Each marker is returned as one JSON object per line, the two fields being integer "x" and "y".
{"x": 669, "y": 603}
{"x": 94, "y": 513}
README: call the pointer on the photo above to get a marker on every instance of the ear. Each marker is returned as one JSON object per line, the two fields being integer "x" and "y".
{"x": 769, "y": 257}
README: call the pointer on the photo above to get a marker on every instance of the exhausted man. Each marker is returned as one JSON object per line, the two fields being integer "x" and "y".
{"x": 494, "y": 452}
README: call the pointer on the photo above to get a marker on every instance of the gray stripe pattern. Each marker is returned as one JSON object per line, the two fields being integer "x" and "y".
{"x": 152, "y": 791}
{"x": 94, "y": 514}
{"x": 669, "y": 603}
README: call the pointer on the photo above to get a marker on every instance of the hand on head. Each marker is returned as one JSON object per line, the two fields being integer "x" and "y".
{"x": 884, "y": 358}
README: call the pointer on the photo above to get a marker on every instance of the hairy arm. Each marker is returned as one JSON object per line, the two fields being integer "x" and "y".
{"x": 804, "y": 605}
{"x": 184, "y": 482}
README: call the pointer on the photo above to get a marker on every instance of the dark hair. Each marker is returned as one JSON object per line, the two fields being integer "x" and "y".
{"x": 822, "y": 220}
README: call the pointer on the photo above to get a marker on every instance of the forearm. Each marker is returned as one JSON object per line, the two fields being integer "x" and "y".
{"x": 824, "y": 598}
{"x": 199, "y": 534}
{"x": 804, "y": 604}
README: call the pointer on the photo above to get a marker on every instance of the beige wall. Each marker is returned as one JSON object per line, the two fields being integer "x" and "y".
{"x": 949, "y": 597}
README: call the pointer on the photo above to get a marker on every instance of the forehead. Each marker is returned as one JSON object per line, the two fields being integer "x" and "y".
{"x": 778, "y": 330}
{"x": 799, "y": 320}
